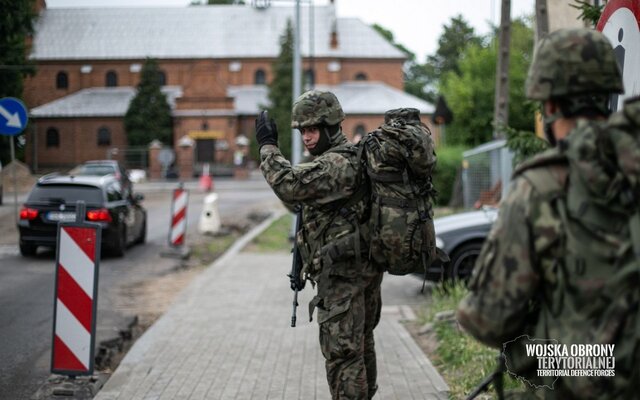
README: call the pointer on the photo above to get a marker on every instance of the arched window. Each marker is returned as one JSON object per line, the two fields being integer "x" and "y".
{"x": 104, "y": 136}
{"x": 53, "y": 138}
{"x": 309, "y": 78}
{"x": 162, "y": 78}
{"x": 62, "y": 80}
{"x": 111, "y": 79}
{"x": 361, "y": 76}
{"x": 260, "y": 78}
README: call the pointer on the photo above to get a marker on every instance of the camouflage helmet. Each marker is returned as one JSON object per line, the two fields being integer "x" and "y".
{"x": 572, "y": 62}
{"x": 315, "y": 108}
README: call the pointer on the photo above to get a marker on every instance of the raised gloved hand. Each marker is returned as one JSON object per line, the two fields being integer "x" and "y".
{"x": 266, "y": 130}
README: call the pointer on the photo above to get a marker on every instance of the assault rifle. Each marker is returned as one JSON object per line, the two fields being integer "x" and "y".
{"x": 495, "y": 377}
{"x": 295, "y": 276}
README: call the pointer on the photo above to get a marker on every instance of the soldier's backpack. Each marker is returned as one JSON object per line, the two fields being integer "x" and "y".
{"x": 594, "y": 187}
{"x": 399, "y": 159}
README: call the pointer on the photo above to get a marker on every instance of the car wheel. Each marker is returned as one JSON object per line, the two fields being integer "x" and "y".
{"x": 121, "y": 243}
{"x": 27, "y": 249}
{"x": 143, "y": 232}
{"x": 463, "y": 261}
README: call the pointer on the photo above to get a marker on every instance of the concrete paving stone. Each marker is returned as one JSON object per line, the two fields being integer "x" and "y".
{"x": 227, "y": 336}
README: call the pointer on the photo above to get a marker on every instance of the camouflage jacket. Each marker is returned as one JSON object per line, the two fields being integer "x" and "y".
{"x": 330, "y": 182}
{"x": 519, "y": 285}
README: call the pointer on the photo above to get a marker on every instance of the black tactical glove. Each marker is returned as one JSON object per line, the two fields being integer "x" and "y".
{"x": 266, "y": 130}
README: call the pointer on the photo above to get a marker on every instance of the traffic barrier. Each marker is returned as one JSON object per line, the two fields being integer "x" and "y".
{"x": 178, "y": 229}
{"x": 210, "y": 217}
{"x": 76, "y": 296}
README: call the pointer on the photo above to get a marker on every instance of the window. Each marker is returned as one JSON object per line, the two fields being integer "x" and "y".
{"x": 114, "y": 192}
{"x": 53, "y": 138}
{"x": 104, "y": 137}
{"x": 260, "y": 77}
{"x": 361, "y": 76}
{"x": 309, "y": 78}
{"x": 162, "y": 78}
{"x": 359, "y": 133}
{"x": 111, "y": 79}
{"x": 62, "y": 80}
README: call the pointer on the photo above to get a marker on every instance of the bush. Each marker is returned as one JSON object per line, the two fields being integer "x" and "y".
{"x": 444, "y": 176}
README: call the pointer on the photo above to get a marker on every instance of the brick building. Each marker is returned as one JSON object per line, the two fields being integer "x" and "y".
{"x": 215, "y": 63}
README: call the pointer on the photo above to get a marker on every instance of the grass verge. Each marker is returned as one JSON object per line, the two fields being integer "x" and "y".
{"x": 275, "y": 237}
{"x": 460, "y": 359}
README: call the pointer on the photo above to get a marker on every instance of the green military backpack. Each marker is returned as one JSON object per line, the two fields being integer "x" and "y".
{"x": 592, "y": 294}
{"x": 399, "y": 159}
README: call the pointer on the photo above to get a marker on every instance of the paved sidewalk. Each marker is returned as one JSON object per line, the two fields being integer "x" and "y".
{"x": 227, "y": 336}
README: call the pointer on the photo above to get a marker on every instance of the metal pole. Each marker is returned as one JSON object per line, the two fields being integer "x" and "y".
{"x": 296, "y": 143}
{"x": 15, "y": 180}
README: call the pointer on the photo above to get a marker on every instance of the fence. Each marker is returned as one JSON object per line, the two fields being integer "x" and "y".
{"x": 486, "y": 173}
{"x": 131, "y": 157}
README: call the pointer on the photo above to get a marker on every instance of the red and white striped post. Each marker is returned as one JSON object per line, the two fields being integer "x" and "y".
{"x": 76, "y": 298}
{"x": 178, "y": 217}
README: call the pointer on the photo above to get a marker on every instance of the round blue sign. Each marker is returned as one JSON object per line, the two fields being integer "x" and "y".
{"x": 13, "y": 116}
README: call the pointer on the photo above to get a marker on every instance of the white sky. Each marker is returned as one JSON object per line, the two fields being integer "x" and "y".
{"x": 416, "y": 24}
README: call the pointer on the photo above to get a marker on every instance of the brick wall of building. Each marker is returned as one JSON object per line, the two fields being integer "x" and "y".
{"x": 78, "y": 141}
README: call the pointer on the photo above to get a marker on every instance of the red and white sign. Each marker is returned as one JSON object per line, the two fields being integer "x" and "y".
{"x": 178, "y": 217}
{"x": 620, "y": 23}
{"x": 76, "y": 299}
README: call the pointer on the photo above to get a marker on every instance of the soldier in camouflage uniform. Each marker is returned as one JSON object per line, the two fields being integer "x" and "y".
{"x": 333, "y": 241}
{"x": 559, "y": 262}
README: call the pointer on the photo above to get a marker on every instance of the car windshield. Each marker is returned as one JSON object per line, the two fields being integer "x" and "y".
{"x": 93, "y": 170}
{"x": 65, "y": 194}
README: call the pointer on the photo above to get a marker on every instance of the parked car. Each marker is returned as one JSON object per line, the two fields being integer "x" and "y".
{"x": 461, "y": 236}
{"x": 53, "y": 199}
{"x": 102, "y": 168}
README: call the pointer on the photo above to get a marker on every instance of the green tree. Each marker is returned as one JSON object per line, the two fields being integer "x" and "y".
{"x": 149, "y": 114}
{"x": 588, "y": 12}
{"x": 470, "y": 91}
{"x": 16, "y": 25}
{"x": 280, "y": 90}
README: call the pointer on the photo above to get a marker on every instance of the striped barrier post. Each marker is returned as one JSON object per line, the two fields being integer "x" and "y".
{"x": 76, "y": 297}
{"x": 178, "y": 229}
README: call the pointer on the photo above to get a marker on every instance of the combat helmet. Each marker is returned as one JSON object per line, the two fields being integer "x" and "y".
{"x": 316, "y": 108}
{"x": 573, "y": 62}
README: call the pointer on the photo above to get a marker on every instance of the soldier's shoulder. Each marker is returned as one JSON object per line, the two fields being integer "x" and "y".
{"x": 546, "y": 173}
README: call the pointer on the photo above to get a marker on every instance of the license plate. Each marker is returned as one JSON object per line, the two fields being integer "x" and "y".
{"x": 61, "y": 216}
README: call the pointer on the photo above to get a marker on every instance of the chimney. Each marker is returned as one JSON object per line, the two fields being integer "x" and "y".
{"x": 333, "y": 40}
{"x": 334, "y": 37}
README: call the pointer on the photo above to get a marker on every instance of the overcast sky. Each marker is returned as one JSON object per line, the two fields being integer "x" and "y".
{"x": 416, "y": 24}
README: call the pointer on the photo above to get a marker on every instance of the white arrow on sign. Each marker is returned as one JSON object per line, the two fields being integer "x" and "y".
{"x": 13, "y": 120}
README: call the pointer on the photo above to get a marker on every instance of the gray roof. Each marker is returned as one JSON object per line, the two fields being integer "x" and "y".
{"x": 97, "y": 102}
{"x": 355, "y": 97}
{"x": 196, "y": 32}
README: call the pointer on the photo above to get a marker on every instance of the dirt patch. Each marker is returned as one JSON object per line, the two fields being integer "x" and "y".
{"x": 428, "y": 342}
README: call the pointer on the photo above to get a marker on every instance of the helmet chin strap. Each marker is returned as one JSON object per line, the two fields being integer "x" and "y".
{"x": 548, "y": 121}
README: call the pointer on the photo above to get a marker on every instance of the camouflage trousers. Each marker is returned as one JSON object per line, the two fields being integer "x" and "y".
{"x": 348, "y": 312}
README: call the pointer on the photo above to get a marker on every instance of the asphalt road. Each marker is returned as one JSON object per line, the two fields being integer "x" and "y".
{"x": 27, "y": 284}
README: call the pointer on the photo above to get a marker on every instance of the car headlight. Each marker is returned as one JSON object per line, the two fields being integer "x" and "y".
{"x": 439, "y": 242}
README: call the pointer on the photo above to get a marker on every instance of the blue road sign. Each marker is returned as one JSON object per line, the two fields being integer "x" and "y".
{"x": 13, "y": 116}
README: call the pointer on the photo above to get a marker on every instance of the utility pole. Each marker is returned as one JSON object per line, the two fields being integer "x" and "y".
{"x": 296, "y": 142}
{"x": 501, "y": 105}
{"x": 542, "y": 19}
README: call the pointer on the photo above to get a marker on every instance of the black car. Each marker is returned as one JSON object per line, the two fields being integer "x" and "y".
{"x": 53, "y": 199}
{"x": 461, "y": 236}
